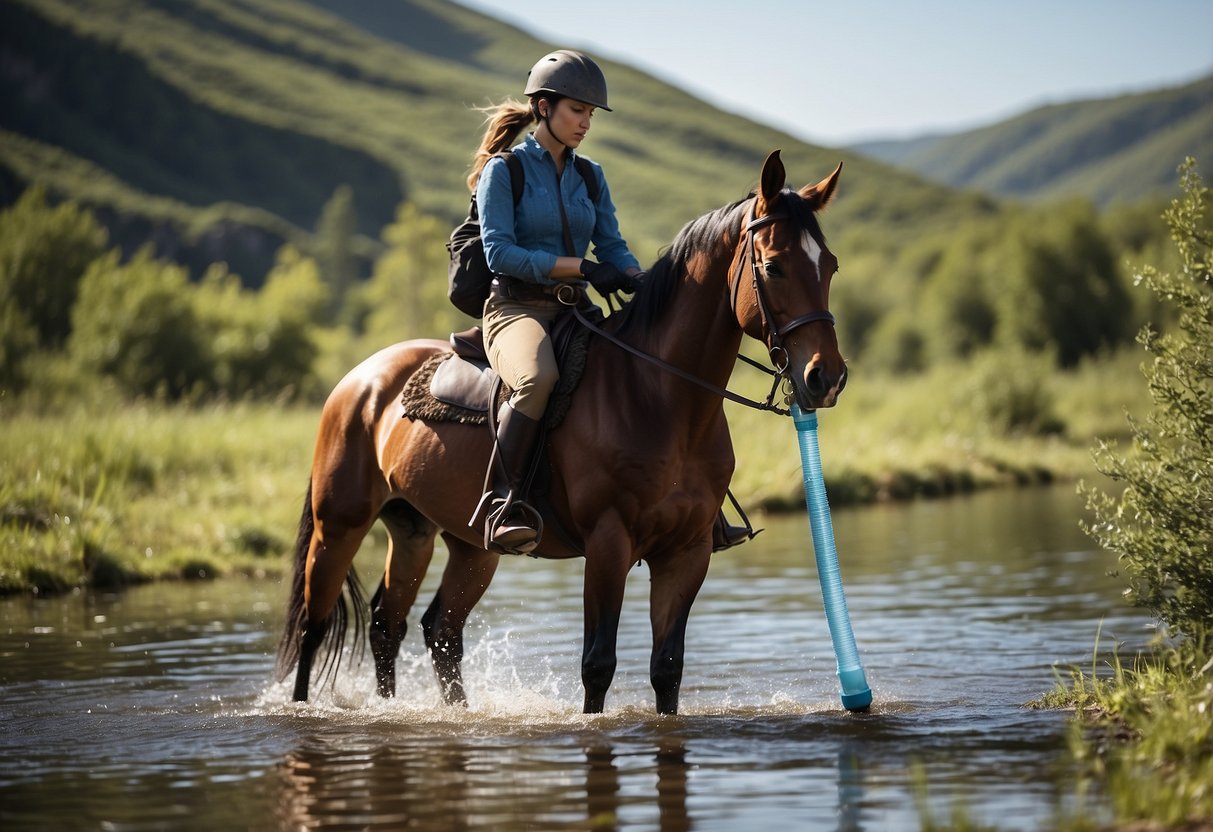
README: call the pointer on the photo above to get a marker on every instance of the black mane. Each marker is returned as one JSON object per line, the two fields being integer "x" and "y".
{"x": 645, "y": 310}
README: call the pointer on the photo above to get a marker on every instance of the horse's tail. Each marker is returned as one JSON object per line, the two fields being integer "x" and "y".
{"x": 296, "y": 612}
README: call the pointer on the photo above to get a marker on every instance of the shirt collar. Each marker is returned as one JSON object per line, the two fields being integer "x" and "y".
{"x": 533, "y": 143}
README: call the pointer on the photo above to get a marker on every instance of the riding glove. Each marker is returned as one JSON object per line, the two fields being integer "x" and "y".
{"x": 606, "y": 278}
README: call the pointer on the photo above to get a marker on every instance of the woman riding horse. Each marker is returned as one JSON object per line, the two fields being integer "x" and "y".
{"x": 758, "y": 267}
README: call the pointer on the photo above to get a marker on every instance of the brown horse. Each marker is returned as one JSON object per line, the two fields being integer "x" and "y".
{"x": 639, "y": 466}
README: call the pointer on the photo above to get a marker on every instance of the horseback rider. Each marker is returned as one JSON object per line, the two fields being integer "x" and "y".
{"x": 533, "y": 247}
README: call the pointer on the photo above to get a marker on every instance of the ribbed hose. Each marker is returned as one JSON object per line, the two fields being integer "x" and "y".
{"x": 856, "y": 695}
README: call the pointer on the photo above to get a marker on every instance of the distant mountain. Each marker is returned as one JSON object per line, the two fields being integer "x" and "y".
{"x": 1108, "y": 150}
{"x": 217, "y": 129}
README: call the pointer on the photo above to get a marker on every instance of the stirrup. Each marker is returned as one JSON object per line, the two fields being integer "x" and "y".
{"x": 725, "y": 535}
{"x": 529, "y": 525}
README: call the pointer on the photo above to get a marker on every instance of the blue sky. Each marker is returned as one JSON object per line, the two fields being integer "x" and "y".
{"x": 837, "y": 72}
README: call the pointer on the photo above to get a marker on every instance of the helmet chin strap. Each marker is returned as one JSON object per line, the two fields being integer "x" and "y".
{"x": 546, "y": 118}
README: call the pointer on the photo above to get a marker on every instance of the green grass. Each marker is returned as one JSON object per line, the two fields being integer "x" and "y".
{"x": 1144, "y": 731}
{"x": 143, "y": 491}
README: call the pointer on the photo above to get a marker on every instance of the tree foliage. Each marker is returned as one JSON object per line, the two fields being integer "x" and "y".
{"x": 44, "y": 250}
{"x": 406, "y": 295}
{"x": 137, "y": 323}
{"x": 1161, "y": 524}
{"x": 261, "y": 342}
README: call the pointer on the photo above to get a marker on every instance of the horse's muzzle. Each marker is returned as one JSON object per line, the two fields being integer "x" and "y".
{"x": 819, "y": 387}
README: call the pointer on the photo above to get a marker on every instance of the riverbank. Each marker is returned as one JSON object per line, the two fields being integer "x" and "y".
{"x": 103, "y": 493}
{"x": 1142, "y": 730}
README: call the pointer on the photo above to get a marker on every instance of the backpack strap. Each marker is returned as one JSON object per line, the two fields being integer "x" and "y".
{"x": 587, "y": 173}
{"x": 517, "y": 175}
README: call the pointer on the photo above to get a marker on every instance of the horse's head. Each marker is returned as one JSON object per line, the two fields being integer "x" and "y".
{"x": 781, "y": 285}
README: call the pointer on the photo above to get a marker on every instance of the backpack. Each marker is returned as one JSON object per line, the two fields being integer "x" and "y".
{"x": 468, "y": 276}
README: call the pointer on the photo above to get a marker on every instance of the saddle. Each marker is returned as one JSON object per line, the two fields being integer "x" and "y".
{"x": 460, "y": 386}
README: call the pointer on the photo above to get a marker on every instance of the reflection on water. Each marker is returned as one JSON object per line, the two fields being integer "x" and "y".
{"x": 156, "y": 708}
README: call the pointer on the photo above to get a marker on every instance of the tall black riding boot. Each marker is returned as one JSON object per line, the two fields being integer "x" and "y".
{"x": 512, "y": 525}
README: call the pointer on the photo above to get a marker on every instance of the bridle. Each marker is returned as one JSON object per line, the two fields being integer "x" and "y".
{"x": 571, "y": 297}
{"x": 774, "y": 334}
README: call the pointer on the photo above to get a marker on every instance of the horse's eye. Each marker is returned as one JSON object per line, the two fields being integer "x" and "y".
{"x": 772, "y": 269}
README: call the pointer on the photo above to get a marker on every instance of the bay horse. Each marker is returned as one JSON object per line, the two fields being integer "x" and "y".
{"x": 639, "y": 466}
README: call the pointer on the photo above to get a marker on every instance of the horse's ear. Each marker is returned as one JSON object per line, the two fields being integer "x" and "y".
{"x": 819, "y": 195}
{"x": 772, "y": 180}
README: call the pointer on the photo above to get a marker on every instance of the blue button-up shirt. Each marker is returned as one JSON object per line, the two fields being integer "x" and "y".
{"x": 524, "y": 241}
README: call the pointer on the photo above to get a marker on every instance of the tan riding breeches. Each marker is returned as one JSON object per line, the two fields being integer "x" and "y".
{"x": 517, "y": 338}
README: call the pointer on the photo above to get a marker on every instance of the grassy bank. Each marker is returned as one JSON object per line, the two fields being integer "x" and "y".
{"x": 99, "y": 493}
{"x": 1143, "y": 730}
{"x": 140, "y": 492}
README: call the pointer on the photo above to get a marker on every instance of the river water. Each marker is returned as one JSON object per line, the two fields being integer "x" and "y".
{"x": 156, "y": 708}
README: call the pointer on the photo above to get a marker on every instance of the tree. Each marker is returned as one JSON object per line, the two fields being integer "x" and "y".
{"x": 1061, "y": 288}
{"x": 44, "y": 250}
{"x": 261, "y": 342}
{"x": 335, "y": 248}
{"x": 406, "y": 294}
{"x": 137, "y": 323}
{"x": 1161, "y": 525}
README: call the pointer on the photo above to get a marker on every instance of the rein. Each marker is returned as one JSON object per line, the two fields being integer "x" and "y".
{"x": 780, "y": 373}
{"x": 768, "y": 405}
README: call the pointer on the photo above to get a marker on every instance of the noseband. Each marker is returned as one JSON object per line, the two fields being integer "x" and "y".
{"x": 776, "y": 332}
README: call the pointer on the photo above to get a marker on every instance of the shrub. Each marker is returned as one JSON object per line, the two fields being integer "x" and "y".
{"x": 137, "y": 323}
{"x": 1159, "y": 526}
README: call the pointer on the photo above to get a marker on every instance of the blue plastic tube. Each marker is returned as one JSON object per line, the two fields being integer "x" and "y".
{"x": 856, "y": 695}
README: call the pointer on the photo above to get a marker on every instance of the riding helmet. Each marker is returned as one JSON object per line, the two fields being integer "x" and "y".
{"x": 570, "y": 74}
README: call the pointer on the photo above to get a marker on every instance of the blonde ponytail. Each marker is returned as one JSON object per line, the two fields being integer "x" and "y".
{"x": 504, "y": 122}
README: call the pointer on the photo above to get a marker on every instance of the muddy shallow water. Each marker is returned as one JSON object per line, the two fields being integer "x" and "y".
{"x": 157, "y": 709}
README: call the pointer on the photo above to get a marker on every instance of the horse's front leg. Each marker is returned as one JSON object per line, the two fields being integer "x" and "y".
{"x": 675, "y": 582}
{"x": 605, "y": 576}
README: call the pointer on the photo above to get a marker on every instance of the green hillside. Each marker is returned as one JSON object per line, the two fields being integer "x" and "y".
{"x": 220, "y": 128}
{"x": 1111, "y": 150}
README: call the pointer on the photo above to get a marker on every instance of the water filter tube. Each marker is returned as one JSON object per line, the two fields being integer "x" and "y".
{"x": 856, "y": 695}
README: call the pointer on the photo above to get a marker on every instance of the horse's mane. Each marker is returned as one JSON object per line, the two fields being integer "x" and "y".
{"x": 716, "y": 228}
{"x": 712, "y": 229}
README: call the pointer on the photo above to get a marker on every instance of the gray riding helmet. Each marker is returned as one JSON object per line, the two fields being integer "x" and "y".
{"x": 570, "y": 74}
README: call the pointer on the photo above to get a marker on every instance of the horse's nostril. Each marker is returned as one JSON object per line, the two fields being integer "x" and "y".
{"x": 815, "y": 383}
{"x": 842, "y": 380}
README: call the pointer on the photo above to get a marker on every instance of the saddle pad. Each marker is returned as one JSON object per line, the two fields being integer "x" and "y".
{"x": 419, "y": 401}
{"x": 446, "y": 388}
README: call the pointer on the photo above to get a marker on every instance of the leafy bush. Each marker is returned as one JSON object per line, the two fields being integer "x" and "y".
{"x": 1007, "y": 392}
{"x": 261, "y": 342}
{"x": 1061, "y": 289}
{"x": 137, "y": 323}
{"x": 44, "y": 250}
{"x": 1159, "y": 525}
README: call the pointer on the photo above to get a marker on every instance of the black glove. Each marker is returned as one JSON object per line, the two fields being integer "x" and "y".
{"x": 606, "y": 278}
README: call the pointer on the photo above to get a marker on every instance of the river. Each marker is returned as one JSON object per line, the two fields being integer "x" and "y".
{"x": 156, "y": 708}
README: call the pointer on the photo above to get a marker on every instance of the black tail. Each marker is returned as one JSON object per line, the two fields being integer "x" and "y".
{"x": 296, "y": 611}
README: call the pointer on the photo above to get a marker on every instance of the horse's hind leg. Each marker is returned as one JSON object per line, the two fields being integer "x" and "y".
{"x": 410, "y": 548}
{"x": 468, "y": 573}
{"x": 338, "y": 528}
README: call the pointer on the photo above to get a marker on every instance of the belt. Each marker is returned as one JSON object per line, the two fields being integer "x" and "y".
{"x": 511, "y": 288}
